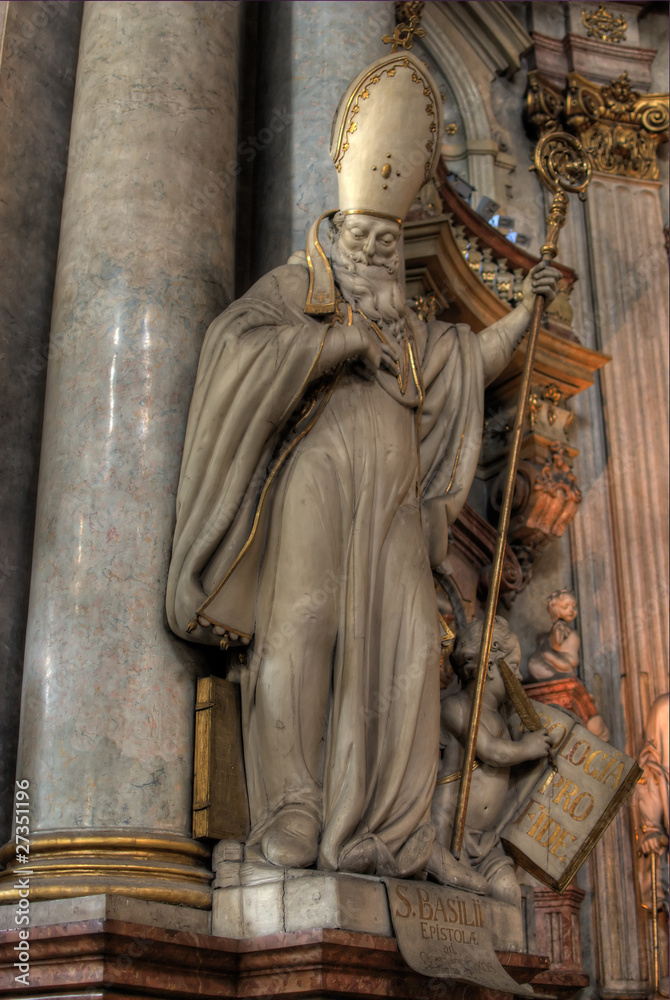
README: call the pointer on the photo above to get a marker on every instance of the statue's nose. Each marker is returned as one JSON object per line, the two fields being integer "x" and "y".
{"x": 370, "y": 247}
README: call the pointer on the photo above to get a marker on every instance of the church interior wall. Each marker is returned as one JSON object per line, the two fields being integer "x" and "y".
{"x": 294, "y": 61}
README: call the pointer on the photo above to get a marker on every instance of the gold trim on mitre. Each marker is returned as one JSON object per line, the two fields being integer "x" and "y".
{"x": 369, "y": 211}
{"x": 386, "y": 137}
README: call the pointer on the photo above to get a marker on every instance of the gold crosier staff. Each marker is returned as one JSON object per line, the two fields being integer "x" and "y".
{"x": 562, "y": 166}
{"x": 653, "y": 864}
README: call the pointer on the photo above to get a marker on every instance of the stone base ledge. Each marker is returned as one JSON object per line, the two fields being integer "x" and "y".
{"x": 253, "y": 899}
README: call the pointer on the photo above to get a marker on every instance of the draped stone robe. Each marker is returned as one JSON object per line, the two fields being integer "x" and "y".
{"x": 318, "y": 537}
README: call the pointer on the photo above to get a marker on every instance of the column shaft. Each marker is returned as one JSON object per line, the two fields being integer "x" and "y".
{"x": 38, "y": 61}
{"x": 146, "y": 260}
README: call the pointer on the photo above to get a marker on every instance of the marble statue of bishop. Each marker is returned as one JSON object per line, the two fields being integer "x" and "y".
{"x": 332, "y": 436}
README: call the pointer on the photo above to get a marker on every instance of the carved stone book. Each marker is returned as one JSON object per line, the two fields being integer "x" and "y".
{"x": 570, "y": 806}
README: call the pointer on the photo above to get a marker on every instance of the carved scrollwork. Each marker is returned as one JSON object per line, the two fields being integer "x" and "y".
{"x": 546, "y": 498}
{"x": 544, "y": 105}
{"x": 619, "y": 128}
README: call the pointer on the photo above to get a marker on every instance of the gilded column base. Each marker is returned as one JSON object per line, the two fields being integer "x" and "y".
{"x": 161, "y": 868}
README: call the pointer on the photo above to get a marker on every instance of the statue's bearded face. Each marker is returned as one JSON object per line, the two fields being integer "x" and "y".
{"x": 368, "y": 240}
{"x": 365, "y": 264}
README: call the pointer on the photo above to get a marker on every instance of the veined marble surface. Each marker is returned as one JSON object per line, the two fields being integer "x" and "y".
{"x": 37, "y": 67}
{"x": 312, "y": 52}
{"x": 145, "y": 262}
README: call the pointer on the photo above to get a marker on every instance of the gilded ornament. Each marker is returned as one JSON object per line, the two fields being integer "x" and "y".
{"x": 451, "y": 128}
{"x": 619, "y": 128}
{"x": 552, "y": 394}
{"x": 403, "y": 34}
{"x": 604, "y": 26}
{"x": 544, "y": 104}
{"x": 426, "y": 307}
{"x": 407, "y": 9}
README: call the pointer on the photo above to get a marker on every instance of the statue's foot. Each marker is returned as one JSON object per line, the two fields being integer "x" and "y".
{"x": 445, "y": 869}
{"x": 505, "y": 887}
{"x": 370, "y": 856}
{"x": 292, "y": 839}
{"x": 415, "y": 853}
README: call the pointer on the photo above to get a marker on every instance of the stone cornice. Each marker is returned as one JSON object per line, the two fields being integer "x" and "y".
{"x": 555, "y": 58}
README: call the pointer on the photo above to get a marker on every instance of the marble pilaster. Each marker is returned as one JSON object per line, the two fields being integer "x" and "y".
{"x": 630, "y": 279}
{"x": 619, "y": 536}
{"x": 38, "y": 60}
{"x": 146, "y": 260}
{"x": 308, "y": 54}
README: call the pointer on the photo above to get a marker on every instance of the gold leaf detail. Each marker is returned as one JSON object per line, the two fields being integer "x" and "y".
{"x": 352, "y": 127}
{"x": 429, "y": 109}
{"x": 375, "y": 79}
{"x": 432, "y": 126}
{"x": 605, "y": 26}
{"x": 345, "y": 147}
{"x": 355, "y": 109}
{"x": 429, "y": 146}
{"x": 365, "y": 94}
{"x": 391, "y": 72}
{"x": 426, "y": 92}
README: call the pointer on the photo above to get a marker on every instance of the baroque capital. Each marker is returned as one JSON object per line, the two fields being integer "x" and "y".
{"x": 620, "y": 128}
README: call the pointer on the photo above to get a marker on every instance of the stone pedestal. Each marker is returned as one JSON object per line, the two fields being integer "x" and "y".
{"x": 253, "y": 900}
{"x": 108, "y": 693}
{"x": 122, "y": 948}
{"x": 566, "y": 692}
{"x": 557, "y": 927}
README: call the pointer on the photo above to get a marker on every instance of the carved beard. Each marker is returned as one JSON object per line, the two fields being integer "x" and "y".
{"x": 372, "y": 288}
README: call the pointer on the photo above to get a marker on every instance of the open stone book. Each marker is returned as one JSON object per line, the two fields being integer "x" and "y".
{"x": 569, "y": 806}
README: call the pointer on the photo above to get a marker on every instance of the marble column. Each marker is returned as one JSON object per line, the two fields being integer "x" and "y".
{"x": 38, "y": 61}
{"x": 308, "y": 54}
{"x": 146, "y": 260}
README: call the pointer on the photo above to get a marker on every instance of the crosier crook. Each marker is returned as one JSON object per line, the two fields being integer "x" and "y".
{"x": 562, "y": 166}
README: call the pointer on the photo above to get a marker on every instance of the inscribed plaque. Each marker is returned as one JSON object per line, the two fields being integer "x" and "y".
{"x": 442, "y": 932}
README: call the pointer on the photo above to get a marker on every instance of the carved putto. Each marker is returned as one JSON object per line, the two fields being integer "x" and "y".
{"x": 557, "y": 652}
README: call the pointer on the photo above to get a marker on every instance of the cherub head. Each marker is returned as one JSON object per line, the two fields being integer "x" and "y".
{"x": 562, "y": 604}
{"x": 504, "y": 645}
